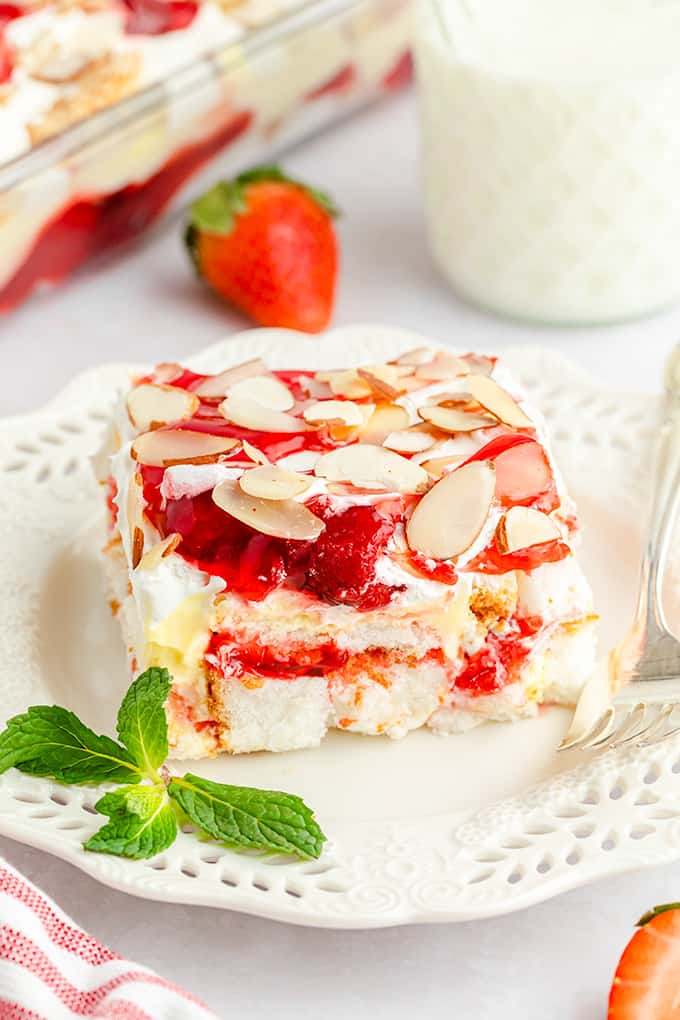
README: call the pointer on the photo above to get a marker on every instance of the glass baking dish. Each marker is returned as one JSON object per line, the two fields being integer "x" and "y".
{"x": 109, "y": 177}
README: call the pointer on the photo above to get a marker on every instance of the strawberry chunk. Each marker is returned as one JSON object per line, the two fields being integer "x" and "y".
{"x": 343, "y": 558}
{"x": 8, "y": 12}
{"x": 646, "y": 982}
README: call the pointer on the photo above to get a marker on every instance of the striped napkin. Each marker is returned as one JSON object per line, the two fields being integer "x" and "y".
{"x": 50, "y": 969}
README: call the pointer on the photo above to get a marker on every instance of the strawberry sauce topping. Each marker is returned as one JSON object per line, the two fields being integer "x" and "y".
{"x": 493, "y": 666}
{"x": 8, "y": 12}
{"x": 156, "y": 17}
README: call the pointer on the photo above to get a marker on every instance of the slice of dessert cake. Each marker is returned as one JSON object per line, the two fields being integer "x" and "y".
{"x": 370, "y": 549}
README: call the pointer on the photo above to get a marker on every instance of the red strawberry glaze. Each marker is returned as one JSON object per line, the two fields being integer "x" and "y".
{"x": 493, "y": 666}
{"x": 523, "y": 473}
{"x": 400, "y": 75}
{"x": 492, "y": 561}
{"x": 8, "y": 12}
{"x": 235, "y": 656}
{"x": 340, "y": 82}
{"x": 338, "y": 568}
{"x": 156, "y": 17}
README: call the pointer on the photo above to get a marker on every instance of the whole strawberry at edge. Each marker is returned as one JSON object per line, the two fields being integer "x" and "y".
{"x": 647, "y": 981}
{"x": 266, "y": 243}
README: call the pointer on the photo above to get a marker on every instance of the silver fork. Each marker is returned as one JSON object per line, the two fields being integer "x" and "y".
{"x": 646, "y": 663}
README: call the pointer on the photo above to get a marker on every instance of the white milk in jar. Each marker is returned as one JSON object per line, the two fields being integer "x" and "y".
{"x": 551, "y": 135}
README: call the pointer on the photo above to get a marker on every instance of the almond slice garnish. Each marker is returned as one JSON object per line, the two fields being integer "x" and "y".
{"x": 372, "y": 467}
{"x": 133, "y": 507}
{"x": 521, "y": 527}
{"x": 418, "y": 356}
{"x": 498, "y": 401}
{"x": 175, "y": 446}
{"x": 272, "y": 482}
{"x": 253, "y": 453}
{"x": 443, "y": 366}
{"x": 341, "y": 412}
{"x": 137, "y": 547}
{"x": 449, "y": 517}
{"x": 218, "y": 385}
{"x": 284, "y": 518}
{"x": 438, "y": 466}
{"x": 450, "y": 419}
{"x": 458, "y": 400}
{"x": 153, "y": 556}
{"x": 386, "y": 418}
{"x": 384, "y": 380}
{"x": 250, "y": 414}
{"x": 479, "y": 364}
{"x": 345, "y": 383}
{"x": 150, "y": 405}
{"x": 266, "y": 390}
{"x": 409, "y": 441}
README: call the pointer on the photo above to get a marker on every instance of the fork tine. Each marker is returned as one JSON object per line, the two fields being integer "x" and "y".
{"x": 596, "y": 730}
{"x": 657, "y": 737}
{"x": 630, "y": 727}
{"x": 655, "y": 725}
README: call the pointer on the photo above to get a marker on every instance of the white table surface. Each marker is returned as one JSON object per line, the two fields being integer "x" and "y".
{"x": 553, "y": 962}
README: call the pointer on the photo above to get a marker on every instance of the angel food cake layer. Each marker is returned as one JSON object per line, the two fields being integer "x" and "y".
{"x": 371, "y": 549}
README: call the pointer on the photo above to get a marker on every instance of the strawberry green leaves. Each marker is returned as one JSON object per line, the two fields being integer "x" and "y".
{"x": 142, "y": 725}
{"x": 145, "y": 813}
{"x": 141, "y": 822}
{"x": 51, "y": 741}
{"x": 242, "y": 816}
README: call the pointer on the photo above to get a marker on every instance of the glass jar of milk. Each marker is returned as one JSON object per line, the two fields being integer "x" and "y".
{"x": 551, "y": 132}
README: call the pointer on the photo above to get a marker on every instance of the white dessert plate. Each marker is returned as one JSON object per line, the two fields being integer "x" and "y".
{"x": 423, "y": 829}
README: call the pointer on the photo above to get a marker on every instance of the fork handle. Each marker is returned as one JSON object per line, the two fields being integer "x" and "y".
{"x": 664, "y": 506}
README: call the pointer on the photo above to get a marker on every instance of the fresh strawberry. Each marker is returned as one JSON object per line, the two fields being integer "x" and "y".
{"x": 646, "y": 985}
{"x": 267, "y": 244}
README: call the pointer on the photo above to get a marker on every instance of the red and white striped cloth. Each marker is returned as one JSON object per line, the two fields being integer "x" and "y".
{"x": 50, "y": 969}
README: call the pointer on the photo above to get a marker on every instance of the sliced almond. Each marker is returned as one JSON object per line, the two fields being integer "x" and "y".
{"x": 385, "y": 418}
{"x": 150, "y": 405}
{"x": 443, "y": 366}
{"x": 409, "y": 441}
{"x": 153, "y": 556}
{"x": 459, "y": 400}
{"x": 301, "y": 460}
{"x": 448, "y": 518}
{"x": 252, "y": 451}
{"x": 438, "y": 466}
{"x": 418, "y": 356}
{"x": 137, "y": 546}
{"x": 450, "y": 419}
{"x": 175, "y": 446}
{"x": 372, "y": 467}
{"x": 266, "y": 390}
{"x": 218, "y": 385}
{"x": 284, "y": 518}
{"x": 342, "y": 412}
{"x": 498, "y": 401}
{"x": 479, "y": 364}
{"x": 521, "y": 527}
{"x": 272, "y": 482}
{"x": 346, "y": 384}
{"x": 384, "y": 380}
{"x": 250, "y": 414}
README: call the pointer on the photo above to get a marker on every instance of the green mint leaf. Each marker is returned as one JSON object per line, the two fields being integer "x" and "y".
{"x": 51, "y": 741}
{"x": 245, "y": 817}
{"x": 141, "y": 822}
{"x": 142, "y": 725}
{"x": 214, "y": 212}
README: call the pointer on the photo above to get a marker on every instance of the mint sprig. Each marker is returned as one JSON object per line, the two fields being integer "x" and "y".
{"x": 146, "y": 812}
{"x": 242, "y": 816}
{"x": 141, "y": 822}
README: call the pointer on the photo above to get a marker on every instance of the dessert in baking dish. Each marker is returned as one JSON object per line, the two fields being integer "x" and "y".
{"x": 371, "y": 548}
{"x": 154, "y": 89}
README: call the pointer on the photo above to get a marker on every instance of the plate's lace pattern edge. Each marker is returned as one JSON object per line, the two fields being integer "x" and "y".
{"x": 615, "y": 813}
